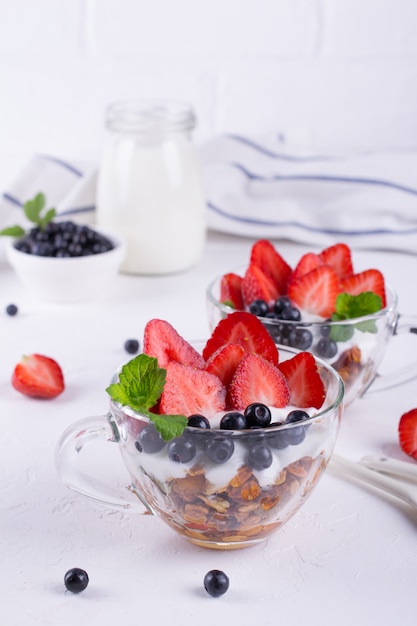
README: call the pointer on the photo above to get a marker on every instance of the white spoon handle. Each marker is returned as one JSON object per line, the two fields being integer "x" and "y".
{"x": 404, "y": 491}
{"x": 384, "y": 464}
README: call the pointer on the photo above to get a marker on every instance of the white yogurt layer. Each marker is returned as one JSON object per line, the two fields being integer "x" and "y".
{"x": 163, "y": 469}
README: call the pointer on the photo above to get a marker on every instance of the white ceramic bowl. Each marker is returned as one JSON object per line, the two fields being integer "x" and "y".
{"x": 66, "y": 280}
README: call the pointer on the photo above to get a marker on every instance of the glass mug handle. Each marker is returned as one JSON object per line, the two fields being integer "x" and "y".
{"x": 405, "y": 324}
{"x": 71, "y": 443}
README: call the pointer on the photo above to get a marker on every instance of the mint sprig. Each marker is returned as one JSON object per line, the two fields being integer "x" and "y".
{"x": 140, "y": 385}
{"x": 35, "y": 213}
{"x": 351, "y": 307}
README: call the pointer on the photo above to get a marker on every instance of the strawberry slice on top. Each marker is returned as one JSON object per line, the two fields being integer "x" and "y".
{"x": 339, "y": 257}
{"x": 246, "y": 330}
{"x": 305, "y": 383}
{"x": 38, "y": 376}
{"x": 162, "y": 341}
{"x": 231, "y": 290}
{"x": 308, "y": 262}
{"x": 316, "y": 291}
{"x": 265, "y": 256}
{"x": 188, "y": 390}
{"x": 258, "y": 380}
{"x": 257, "y": 285}
{"x": 368, "y": 280}
{"x": 224, "y": 361}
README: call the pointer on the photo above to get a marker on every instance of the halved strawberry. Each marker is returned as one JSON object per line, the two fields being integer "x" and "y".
{"x": 316, "y": 292}
{"x": 256, "y": 285}
{"x": 407, "y": 433}
{"x": 38, "y": 376}
{"x": 162, "y": 341}
{"x": 369, "y": 280}
{"x": 257, "y": 380}
{"x": 306, "y": 386}
{"x": 188, "y": 390}
{"x": 265, "y": 256}
{"x": 246, "y": 330}
{"x": 339, "y": 257}
{"x": 231, "y": 290}
{"x": 224, "y": 361}
{"x": 308, "y": 262}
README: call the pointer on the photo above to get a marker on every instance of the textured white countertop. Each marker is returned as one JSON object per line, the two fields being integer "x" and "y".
{"x": 348, "y": 557}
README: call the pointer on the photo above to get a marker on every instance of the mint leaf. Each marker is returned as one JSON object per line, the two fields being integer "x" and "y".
{"x": 141, "y": 382}
{"x": 140, "y": 385}
{"x": 350, "y": 307}
{"x": 33, "y": 211}
{"x": 48, "y": 217}
{"x": 13, "y": 231}
{"x": 34, "y": 207}
{"x": 169, "y": 426}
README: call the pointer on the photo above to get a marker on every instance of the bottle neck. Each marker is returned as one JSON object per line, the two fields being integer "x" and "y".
{"x": 150, "y": 118}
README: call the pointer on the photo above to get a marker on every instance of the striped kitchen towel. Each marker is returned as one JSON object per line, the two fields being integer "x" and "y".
{"x": 259, "y": 188}
{"x": 69, "y": 187}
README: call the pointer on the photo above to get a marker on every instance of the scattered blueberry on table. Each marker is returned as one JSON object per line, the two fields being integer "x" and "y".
{"x": 76, "y": 580}
{"x": 132, "y": 346}
{"x": 11, "y": 309}
{"x": 216, "y": 583}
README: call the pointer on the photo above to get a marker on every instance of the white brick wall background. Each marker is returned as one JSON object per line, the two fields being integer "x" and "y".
{"x": 336, "y": 74}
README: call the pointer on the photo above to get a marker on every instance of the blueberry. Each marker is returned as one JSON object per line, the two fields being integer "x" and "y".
{"x": 259, "y": 308}
{"x": 296, "y": 435}
{"x": 257, "y": 414}
{"x": 219, "y": 449}
{"x": 326, "y": 348}
{"x": 11, "y": 309}
{"x": 282, "y": 303}
{"x": 198, "y": 421}
{"x": 216, "y": 583}
{"x": 259, "y": 456}
{"x": 76, "y": 580}
{"x": 233, "y": 421}
{"x": 291, "y": 314}
{"x": 181, "y": 450}
{"x": 300, "y": 338}
{"x": 149, "y": 440}
{"x": 131, "y": 346}
{"x": 278, "y": 439}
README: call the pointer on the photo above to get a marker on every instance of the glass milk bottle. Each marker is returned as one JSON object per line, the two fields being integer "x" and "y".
{"x": 150, "y": 187}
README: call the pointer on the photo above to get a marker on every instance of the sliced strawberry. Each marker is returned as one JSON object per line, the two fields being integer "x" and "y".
{"x": 246, "y": 330}
{"x": 224, "y": 361}
{"x": 265, "y": 256}
{"x": 188, "y": 390}
{"x": 339, "y": 258}
{"x": 38, "y": 376}
{"x": 369, "y": 280}
{"x": 407, "y": 432}
{"x": 306, "y": 386}
{"x": 256, "y": 285}
{"x": 308, "y": 262}
{"x": 316, "y": 292}
{"x": 231, "y": 290}
{"x": 162, "y": 341}
{"x": 257, "y": 380}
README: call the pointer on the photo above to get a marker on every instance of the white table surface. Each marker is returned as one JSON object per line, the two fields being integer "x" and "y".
{"x": 348, "y": 557}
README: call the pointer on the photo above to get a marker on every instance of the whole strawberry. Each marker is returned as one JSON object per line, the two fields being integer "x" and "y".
{"x": 38, "y": 376}
{"x": 407, "y": 432}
